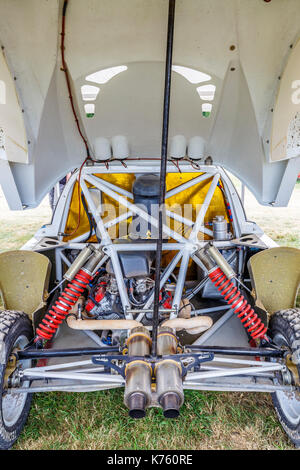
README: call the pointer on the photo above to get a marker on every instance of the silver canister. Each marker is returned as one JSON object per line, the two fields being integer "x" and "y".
{"x": 220, "y": 230}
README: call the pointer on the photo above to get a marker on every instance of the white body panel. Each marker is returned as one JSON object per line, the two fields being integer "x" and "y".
{"x": 243, "y": 46}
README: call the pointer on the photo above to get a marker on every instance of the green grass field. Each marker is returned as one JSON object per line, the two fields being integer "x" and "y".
{"x": 208, "y": 420}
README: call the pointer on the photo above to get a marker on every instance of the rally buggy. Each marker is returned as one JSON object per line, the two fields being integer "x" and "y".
{"x": 149, "y": 277}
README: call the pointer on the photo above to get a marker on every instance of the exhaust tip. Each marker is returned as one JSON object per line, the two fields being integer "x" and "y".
{"x": 170, "y": 403}
{"x": 137, "y": 406}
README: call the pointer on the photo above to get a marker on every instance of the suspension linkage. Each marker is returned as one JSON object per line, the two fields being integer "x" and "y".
{"x": 186, "y": 361}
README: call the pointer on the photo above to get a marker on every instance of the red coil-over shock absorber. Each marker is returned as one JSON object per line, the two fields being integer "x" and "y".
{"x": 237, "y": 302}
{"x": 62, "y": 306}
{"x": 221, "y": 275}
{"x": 79, "y": 278}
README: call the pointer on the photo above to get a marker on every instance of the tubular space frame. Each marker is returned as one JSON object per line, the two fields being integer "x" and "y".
{"x": 252, "y": 376}
{"x": 211, "y": 377}
{"x": 185, "y": 246}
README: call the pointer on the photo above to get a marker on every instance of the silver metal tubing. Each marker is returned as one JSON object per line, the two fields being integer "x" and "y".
{"x": 204, "y": 207}
{"x": 150, "y": 310}
{"x": 65, "y": 259}
{"x": 66, "y": 365}
{"x": 98, "y": 219}
{"x": 135, "y": 209}
{"x": 180, "y": 283}
{"x": 169, "y": 269}
{"x": 231, "y": 372}
{"x": 120, "y": 281}
{"x": 187, "y": 222}
{"x": 73, "y": 376}
{"x": 121, "y": 217}
{"x": 146, "y": 246}
{"x": 253, "y": 374}
{"x": 94, "y": 337}
{"x": 228, "y": 387}
{"x": 188, "y": 184}
{"x": 200, "y": 311}
{"x": 227, "y": 360}
{"x": 57, "y": 226}
{"x": 67, "y": 388}
{"x": 58, "y": 265}
{"x": 151, "y": 246}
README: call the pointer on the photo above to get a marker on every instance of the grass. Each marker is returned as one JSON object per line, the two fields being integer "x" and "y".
{"x": 208, "y": 421}
{"x": 99, "y": 420}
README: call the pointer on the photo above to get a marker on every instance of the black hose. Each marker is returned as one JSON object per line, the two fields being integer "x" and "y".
{"x": 92, "y": 223}
{"x": 88, "y": 216}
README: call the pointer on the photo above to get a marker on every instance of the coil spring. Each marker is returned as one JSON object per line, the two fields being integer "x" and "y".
{"x": 240, "y": 306}
{"x": 62, "y": 306}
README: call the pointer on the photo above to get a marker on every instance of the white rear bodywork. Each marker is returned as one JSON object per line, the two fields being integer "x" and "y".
{"x": 248, "y": 51}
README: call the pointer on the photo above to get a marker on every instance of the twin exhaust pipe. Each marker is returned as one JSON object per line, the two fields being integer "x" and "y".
{"x": 145, "y": 386}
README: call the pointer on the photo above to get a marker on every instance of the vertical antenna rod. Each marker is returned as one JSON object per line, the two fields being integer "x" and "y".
{"x": 163, "y": 168}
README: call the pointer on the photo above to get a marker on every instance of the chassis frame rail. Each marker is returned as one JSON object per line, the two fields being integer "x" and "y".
{"x": 227, "y": 351}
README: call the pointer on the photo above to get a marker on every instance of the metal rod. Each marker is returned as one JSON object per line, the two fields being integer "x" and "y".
{"x": 41, "y": 353}
{"x": 259, "y": 352}
{"x": 100, "y": 225}
{"x": 115, "y": 260}
{"x": 188, "y": 184}
{"x": 235, "y": 371}
{"x": 32, "y": 373}
{"x": 187, "y": 222}
{"x": 134, "y": 208}
{"x": 67, "y": 365}
{"x": 163, "y": 167}
{"x": 67, "y": 388}
{"x": 201, "y": 311}
{"x": 180, "y": 283}
{"x": 200, "y": 217}
{"x": 232, "y": 387}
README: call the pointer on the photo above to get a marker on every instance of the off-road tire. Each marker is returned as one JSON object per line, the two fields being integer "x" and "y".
{"x": 286, "y": 323}
{"x": 12, "y": 326}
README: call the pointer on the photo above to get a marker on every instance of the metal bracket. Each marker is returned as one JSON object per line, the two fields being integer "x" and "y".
{"x": 187, "y": 361}
{"x": 250, "y": 240}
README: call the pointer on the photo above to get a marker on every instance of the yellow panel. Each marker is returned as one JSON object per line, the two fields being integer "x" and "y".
{"x": 193, "y": 197}
{"x": 124, "y": 181}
